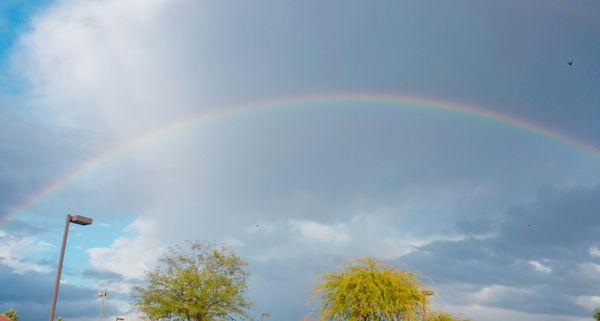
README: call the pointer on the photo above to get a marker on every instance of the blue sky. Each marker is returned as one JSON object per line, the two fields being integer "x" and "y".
{"x": 505, "y": 217}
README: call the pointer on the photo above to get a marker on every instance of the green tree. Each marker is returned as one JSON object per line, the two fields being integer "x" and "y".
{"x": 202, "y": 283}
{"x": 368, "y": 290}
{"x": 596, "y": 314}
{"x": 442, "y": 316}
{"x": 59, "y": 318}
{"x": 11, "y": 314}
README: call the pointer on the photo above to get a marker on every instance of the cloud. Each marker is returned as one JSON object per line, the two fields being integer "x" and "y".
{"x": 478, "y": 312}
{"x": 102, "y": 275}
{"x": 22, "y": 227}
{"x": 327, "y": 233}
{"x": 11, "y": 249}
{"x": 537, "y": 263}
{"x": 570, "y": 214}
{"x": 98, "y": 66}
{"x": 233, "y": 243}
{"x": 498, "y": 271}
{"x": 129, "y": 257}
{"x": 30, "y": 292}
{"x": 34, "y": 152}
{"x": 538, "y": 266}
{"x": 476, "y": 226}
{"x": 589, "y": 302}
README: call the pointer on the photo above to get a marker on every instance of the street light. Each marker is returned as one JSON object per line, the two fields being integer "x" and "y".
{"x": 76, "y": 219}
{"x": 263, "y": 315}
{"x": 425, "y": 293}
{"x": 102, "y": 296}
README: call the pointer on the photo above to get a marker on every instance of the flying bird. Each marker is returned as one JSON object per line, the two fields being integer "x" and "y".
{"x": 570, "y": 62}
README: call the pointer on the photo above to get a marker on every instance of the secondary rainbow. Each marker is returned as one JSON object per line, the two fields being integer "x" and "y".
{"x": 172, "y": 128}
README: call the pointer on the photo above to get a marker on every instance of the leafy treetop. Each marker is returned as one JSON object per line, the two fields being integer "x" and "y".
{"x": 368, "y": 290}
{"x": 10, "y": 314}
{"x": 203, "y": 283}
{"x": 442, "y": 316}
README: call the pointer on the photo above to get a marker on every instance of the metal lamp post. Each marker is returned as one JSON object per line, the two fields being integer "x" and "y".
{"x": 102, "y": 296}
{"x": 79, "y": 220}
{"x": 425, "y": 293}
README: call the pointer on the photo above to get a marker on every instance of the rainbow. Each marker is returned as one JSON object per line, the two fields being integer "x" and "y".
{"x": 172, "y": 128}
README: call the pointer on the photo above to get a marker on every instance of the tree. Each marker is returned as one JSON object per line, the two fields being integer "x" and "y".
{"x": 442, "y": 316}
{"x": 204, "y": 283}
{"x": 10, "y": 314}
{"x": 596, "y": 314}
{"x": 59, "y": 318}
{"x": 368, "y": 290}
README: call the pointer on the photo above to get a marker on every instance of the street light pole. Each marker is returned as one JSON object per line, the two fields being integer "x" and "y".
{"x": 77, "y": 219}
{"x": 102, "y": 295}
{"x": 60, "y": 263}
{"x": 423, "y": 311}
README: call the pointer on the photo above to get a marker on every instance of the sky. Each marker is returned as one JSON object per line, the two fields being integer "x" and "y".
{"x": 450, "y": 138}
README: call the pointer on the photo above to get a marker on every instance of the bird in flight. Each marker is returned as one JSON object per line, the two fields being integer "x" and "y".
{"x": 570, "y": 62}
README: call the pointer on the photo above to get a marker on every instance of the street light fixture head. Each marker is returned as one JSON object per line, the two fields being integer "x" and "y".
{"x": 80, "y": 220}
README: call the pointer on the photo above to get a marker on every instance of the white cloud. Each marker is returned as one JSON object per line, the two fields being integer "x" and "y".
{"x": 12, "y": 248}
{"x": 589, "y": 270}
{"x": 594, "y": 251}
{"x": 588, "y": 302}
{"x": 368, "y": 234}
{"x": 538, "y": 266}
{"x": 130, "y": 257}
{"x": 495, "y": 293}
{"x": 103, "y": 224}
{"x": 334, "y": 233}
{"x": 233, "y": 242}
{"x": 96, "y": 62}
{"x": 478, "y": 312}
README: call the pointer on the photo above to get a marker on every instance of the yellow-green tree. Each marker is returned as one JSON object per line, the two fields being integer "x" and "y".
{"x": 368, "y": 290}
{"x": 596, "y": 314}
{"x": 202, "y": 283}
{"x": 442, "y": 316}
{"x": 11, "y": 314}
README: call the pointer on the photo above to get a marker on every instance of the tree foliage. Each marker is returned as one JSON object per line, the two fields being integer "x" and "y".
{"x": 596, "y": 314}
{"x": 368, "y": 290}
{"x": 11, "y": 314}
{"x": 202, "y": 283}
{"x": 442, "y": 316}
